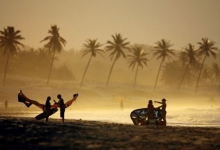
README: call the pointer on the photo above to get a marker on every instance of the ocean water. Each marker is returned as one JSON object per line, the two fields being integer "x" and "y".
{"x": 185, "y": 117}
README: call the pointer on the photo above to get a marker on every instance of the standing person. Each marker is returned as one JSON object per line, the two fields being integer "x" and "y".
{"x": 151, "y": 108}
{"x": 121, "y": 104}
{"x": 47, "y": 106}
{"x": 62, "y": 107}
{"x": 163, "y": 109}
{"x": 6, "y": 104}
{"x": 150, "y": 105}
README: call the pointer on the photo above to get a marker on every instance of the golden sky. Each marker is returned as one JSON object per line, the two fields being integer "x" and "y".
{"x": 141, "y": 21}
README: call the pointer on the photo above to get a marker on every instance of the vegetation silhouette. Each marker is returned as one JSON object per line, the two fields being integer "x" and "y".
{"x": 184, "y": 70}
{"x": 216, "y": 73}
{"x": 9, "y": 40}
{"x": 189, "y": 56}
{"x": 116, "y": 47}
{"x": 138, "y": 57}
{"x": 55, "y": 45}
{"x": 93, "y": 47}
{"x": 206, "y": 48}
{"x": 162, "y": 51}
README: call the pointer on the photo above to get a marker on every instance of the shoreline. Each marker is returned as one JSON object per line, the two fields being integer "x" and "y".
{"x": 28, "y": 133}
{"x": 104, "y": 116}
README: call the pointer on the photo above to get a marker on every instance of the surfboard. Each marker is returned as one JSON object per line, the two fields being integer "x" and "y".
{"x": 46, "y": 114}
{"x": 142, "y": 116}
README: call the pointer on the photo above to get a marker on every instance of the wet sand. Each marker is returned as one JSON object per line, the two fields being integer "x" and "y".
{"x": 28, "y": 133}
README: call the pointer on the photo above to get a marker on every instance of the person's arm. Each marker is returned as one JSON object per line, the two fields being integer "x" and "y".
{"x": 157, "y": 102}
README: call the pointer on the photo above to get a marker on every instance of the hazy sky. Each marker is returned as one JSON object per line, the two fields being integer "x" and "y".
{"x": 141, "y": 21}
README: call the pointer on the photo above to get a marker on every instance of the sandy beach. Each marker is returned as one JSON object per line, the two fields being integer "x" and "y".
{"x": 28, "y": 133}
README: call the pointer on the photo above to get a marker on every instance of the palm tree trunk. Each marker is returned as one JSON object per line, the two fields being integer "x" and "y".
{"x": 158, "y": 74}
{"x": 110, "y": 72}
{"x": 200, "y": 73}
{"x": 183, "y": 76}
{"x": 6, "y": 68}
{"x": 85, "y": 71}
{"x": 135, "y": 78}
{"x": 51, "y": 65}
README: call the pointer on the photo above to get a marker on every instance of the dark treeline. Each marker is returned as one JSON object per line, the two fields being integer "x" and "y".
{"x": 69, "y": 65}
{"x": 34, "y": 63}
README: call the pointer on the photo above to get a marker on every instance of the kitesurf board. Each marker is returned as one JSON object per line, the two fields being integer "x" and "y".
{"x": 46, "y": 114}
{"x": 140, "y": 117}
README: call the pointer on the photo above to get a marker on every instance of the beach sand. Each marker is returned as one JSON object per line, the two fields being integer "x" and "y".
{"x": 27, "y": 133}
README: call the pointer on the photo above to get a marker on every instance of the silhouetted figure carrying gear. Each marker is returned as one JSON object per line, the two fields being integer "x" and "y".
{"x": 47, "y": 107}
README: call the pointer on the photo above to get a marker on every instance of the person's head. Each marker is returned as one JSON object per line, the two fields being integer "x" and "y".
{"x": 48, "y": 98}
{"x": 163, "y": 100}
{"x": 58, "y": 96}
{"x": 150, "y": 102}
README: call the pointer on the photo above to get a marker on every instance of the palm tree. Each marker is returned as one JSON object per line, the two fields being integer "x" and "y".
{"x": 9, "y": 40}
{"x": 91, "y": 46}
{"x": 189, "y": 56}
{"x": 117, "y": 47}
{"x": 206, "y": 48}
{"x": 162, "y": 51}
{"x": 138, "y": 58}
{"x": 55, "y": 44}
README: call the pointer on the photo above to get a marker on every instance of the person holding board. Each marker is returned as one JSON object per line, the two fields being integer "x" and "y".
{"x": 47, "y": 107}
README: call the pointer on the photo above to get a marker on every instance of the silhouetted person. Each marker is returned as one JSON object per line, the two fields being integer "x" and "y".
{"x": 6, "y": 104}
{"x": 121, "y": 105}
{"x": 163, "y": 109}
{"x": 151, "y": 108}
{"x": 62, "y": 107}
{"x": 150, "y": 105}
{"x": 47, "y": 107}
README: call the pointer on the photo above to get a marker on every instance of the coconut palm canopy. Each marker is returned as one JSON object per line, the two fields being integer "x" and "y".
{"x": 138, "y": 57}
{"x": 162, "y": 50}
{"x": 206, "y": 47}
{"x": 9, "y": 39}
{"x": 117, "y": 46}
{"x": 189, "y": 54}
{"x": 56, "y": 42}
{"x": 93, "y": 47}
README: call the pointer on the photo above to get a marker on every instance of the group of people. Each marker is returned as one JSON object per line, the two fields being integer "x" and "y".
{"x": 60, "y": 103}
{"x": 161, "y": 108}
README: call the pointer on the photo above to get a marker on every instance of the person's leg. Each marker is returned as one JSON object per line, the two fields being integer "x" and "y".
{"x": 63, "y": 115}
{"x": 47, "y": 119}
{"x": 164, "y": 118}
